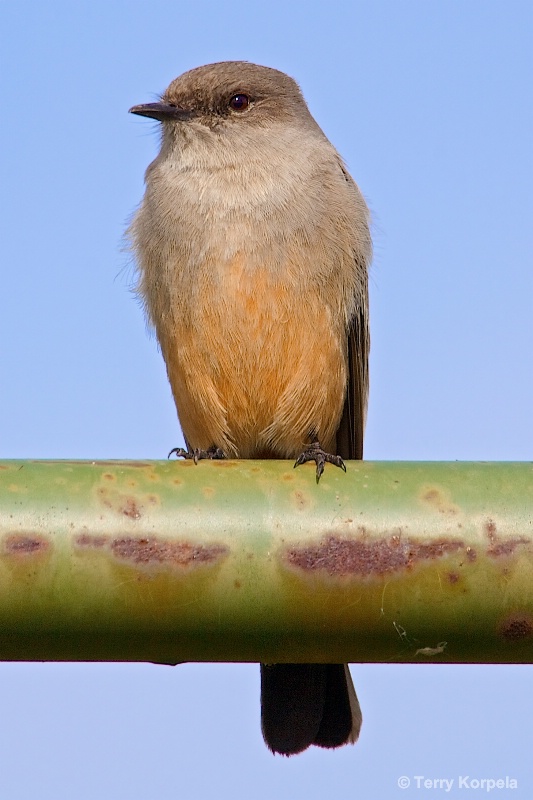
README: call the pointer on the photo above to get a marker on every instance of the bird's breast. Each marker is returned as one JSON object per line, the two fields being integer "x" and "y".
{"x": 256, "y": 364}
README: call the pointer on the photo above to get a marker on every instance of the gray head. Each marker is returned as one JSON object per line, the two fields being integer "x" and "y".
{"x": 228, "y": 93}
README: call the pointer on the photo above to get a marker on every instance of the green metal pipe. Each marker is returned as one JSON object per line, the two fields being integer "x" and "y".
{"x": 253, "y": 561}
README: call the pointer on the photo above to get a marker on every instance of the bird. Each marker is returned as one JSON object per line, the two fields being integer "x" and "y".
{"x": 252, "y": 247}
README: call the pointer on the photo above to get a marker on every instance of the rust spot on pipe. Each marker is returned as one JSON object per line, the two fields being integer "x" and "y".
{"x": 152, "y": 550}
{"x": 502, "y": 547}
{"x": 91, "y": 540}
{"x": 130, "y": 508}
{"x": 25, "y": 544}
{"x": 367, "y": 556}
{"x": 517, "y": 627}
{"x": 507, "y": 547}
{"x": 125, "y": 504}
{"x": 301, "y": 500}
{"x": 435, "y": 549}
{"x": 436, "y": 498}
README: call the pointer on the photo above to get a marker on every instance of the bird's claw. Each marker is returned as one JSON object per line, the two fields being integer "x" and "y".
{"x": 315, "y": 453}
{"x": 197, "y": 454}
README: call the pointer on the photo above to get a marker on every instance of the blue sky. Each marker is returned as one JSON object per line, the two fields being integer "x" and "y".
{"x": 430, "y": 105}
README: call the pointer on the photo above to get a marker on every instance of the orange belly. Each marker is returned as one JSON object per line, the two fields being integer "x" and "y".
{"x": 257, "y": 368}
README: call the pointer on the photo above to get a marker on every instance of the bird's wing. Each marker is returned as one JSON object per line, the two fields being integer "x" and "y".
{"x": 352, "y": 425}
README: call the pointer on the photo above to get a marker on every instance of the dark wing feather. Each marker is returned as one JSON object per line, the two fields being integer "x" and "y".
{"x": 352, "y": 425}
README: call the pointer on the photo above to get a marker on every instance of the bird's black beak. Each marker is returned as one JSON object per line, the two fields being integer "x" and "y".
{"x": 161, "y": 111}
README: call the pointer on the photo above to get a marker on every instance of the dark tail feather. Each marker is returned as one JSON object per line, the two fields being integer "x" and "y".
{"x": 305, "y": 704}
{"x": 341, "y": 719}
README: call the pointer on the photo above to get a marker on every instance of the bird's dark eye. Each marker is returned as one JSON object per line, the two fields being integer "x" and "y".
{"x": 239, "y": 102}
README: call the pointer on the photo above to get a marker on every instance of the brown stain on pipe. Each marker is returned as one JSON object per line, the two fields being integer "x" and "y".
{"x": 435, "y": 497}
{"x": 154, "y": 550}
{"x": 91, "y": 540}
{"x": 126, "y": 504}
{"x": 364, "y": 557}
{"x": 25, "y": 544}
{"x": 517, "y": 627}
{"x": 502, "y": 547}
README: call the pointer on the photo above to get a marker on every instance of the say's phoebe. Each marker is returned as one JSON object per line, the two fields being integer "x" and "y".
{"x": 253, "y": 246}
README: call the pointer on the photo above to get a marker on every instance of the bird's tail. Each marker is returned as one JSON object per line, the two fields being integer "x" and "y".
{"x": 305, "y": 704}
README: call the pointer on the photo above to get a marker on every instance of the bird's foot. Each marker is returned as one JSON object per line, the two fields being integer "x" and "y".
{"x": 196, "y": 453}
{"x": 315, "y": 453}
